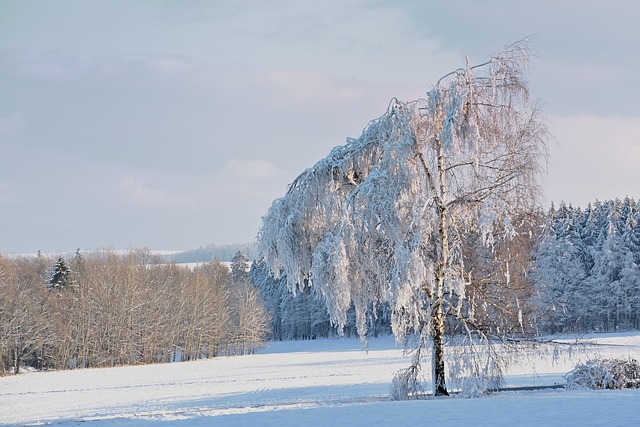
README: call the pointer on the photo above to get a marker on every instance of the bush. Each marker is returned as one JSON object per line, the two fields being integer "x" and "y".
{"x": 605, "y": 374}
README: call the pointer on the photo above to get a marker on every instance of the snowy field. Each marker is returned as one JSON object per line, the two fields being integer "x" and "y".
{"x": 307, "y": 383}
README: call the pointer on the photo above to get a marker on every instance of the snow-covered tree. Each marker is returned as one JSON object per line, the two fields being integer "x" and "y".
{"x": 251, "y": 317}
{"x": 303, "y": 314}
{"x": 559, "y": 272}
{"x": 384, "y": 218}
{"x": 60, "y": 277}
{"x": 239, "y": 269}
{"x": 587, "y": 270}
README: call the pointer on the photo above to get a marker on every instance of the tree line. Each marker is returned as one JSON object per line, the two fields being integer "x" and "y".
{"x": 565, "y": 270}
{"x": 569, "y": 269}
{"x": 501, "y": 273}
{"x": 105, "y": 309}
{"x": 209, "y": 252}
{"x": 587, "y": 267}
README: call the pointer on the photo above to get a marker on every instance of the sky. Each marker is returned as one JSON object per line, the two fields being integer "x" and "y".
{"x": 174, "y": 125}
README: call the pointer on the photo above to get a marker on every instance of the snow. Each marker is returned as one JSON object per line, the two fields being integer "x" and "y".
{"x": 311, "y": 383}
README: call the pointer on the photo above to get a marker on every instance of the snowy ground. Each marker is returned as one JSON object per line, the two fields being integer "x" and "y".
{"x": 310, "y": 383}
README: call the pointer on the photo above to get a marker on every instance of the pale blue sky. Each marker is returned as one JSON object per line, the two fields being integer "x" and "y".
{"x": 174, "y": 124}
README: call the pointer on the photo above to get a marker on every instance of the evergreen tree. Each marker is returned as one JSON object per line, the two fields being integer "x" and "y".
{"x": 249, "y": 312}
{"x": 239, "y": 269}
{"x": 589, "y": 235}
{"x": 271, "y": 292}
{"x": 294, "y": 315}
{"x": 303, "y": 314}
{"x": 60, "y": 277}
{"x": 558, "y": 273}
{"x": 587, "y": 267}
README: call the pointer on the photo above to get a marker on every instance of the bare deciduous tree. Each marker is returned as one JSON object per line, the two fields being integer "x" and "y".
{"x": 251, "y": 317}
{"x": 122, "y": 309}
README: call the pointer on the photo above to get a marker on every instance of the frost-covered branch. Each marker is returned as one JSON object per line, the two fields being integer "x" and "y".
{"x": 386, "y": 218}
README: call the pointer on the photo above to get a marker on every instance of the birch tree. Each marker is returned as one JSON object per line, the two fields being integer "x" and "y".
{"x": 384, "y": 217}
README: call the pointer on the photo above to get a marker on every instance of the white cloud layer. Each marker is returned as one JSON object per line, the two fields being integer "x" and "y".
{"x": 175, "y": 125}
{"x": 7, "y": 194}
{"x": 11, "y": 126}
{"x": 253, "y": 171}
{"x": 595, "y": 158}
{"x": 139, "y": 193}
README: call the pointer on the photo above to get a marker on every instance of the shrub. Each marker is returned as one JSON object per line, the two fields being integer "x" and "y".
{"x": 605, "y": 374}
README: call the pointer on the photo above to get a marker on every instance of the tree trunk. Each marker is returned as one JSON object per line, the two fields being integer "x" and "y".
{"x": 438, "y": 325}
{"x": 437, "y": 363}
{"x": 16, "y": 360}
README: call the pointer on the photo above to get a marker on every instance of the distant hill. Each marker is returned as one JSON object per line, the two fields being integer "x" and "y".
{"x": 219, "y": 252}
{"x": 223, "y": 253}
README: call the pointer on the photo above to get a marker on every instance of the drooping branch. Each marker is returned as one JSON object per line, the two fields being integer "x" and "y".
{"x": 386, "y": 217}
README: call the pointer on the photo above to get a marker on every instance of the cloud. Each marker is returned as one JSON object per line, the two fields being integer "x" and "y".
{"x": 583, "y": 73}
{"x": 56, "y": 66}
{"x": 249, "y": 185}
{"x": 12, "y": 125}
{"x": 307, "y": 87}
{"x": 45, "y": 65}
{"x": 138, "y": 193}
{"x": 7, "y": 195}
{"x": 250, "y": 171}
{"x": 169, "y": 64}
{"x": 596, "y": 158}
